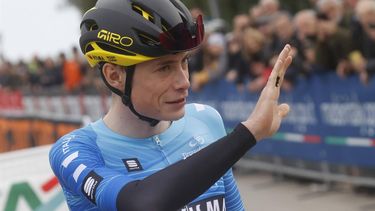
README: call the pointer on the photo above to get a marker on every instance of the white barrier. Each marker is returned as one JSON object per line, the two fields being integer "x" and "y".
{"x": 27, "y": 182}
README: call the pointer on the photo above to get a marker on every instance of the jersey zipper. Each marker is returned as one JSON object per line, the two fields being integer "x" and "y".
{"x": 158, "y": 143}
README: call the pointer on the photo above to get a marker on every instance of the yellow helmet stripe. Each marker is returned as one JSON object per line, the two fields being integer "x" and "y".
{"x": 99, "y": 55}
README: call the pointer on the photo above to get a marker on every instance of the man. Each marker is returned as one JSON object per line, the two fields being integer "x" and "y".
{"x": 149, "y": 151}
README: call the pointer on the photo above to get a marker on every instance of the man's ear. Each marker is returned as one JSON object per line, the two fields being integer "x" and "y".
{"x": 115, "y": 75}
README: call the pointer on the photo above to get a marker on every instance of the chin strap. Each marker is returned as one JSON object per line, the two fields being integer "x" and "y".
{"x": 126, "y": 96}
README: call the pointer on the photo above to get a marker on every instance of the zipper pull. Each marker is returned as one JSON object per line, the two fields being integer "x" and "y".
{"x": 157, "y": 140}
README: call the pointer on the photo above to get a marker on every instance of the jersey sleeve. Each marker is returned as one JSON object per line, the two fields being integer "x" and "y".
{"x": 79, "y": 167}
{"x": 233, "y": 200}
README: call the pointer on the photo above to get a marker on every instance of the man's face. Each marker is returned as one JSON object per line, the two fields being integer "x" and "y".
{"x": 368, "y": 23}
{"x": 160, "y": 87}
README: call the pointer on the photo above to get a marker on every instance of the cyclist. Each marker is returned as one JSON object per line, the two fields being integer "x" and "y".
{"x": 151, "y": 151}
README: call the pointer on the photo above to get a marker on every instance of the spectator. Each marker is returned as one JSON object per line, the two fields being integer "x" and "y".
{"x": 306, "y": 25}
{"x": 22, "y": 71}
{"x": 252, "y": 50}
{"x": 34, "y": 68}
{"x": 51, "y": 76}
{"x": 331, "y": 52}
{"x": 334, "y": 11}
{"x": 363, "y": 59}
{"x": 235, "y": 41}
{"x": 215, "y": 61}
{"x": 72, "y": 75}
{"x": 8, "y": 76}
{"x": 285, "y": 33}
{"x": 269, "y": 7}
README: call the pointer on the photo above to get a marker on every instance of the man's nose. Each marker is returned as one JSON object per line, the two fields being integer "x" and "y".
{"x": 182, "y": 79}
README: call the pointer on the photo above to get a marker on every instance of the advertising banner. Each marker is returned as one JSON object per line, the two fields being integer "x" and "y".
{"x": 332, "y": 119}
{"x": 27, "y": 182}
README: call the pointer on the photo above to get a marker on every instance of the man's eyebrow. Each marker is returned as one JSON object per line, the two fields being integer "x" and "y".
{"x": 165, "y": 62}
{"x": 171, "y": 61}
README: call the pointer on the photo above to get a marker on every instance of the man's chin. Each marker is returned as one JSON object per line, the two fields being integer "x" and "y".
{"x": 175, "y": 115}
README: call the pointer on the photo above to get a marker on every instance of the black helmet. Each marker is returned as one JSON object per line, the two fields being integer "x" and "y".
{"x": 127, "y": 32}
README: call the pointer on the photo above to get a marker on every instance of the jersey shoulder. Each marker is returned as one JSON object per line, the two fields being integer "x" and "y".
{"x": 202, "y": 111}
{"x": 80, "y": 140}
{"x": 208, "y": 116}
{"x": 80, "y": 137}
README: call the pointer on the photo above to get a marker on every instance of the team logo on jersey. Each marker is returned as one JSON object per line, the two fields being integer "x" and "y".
{"x": 197, "y": 143}
{"x": 216, "y": 203}
{"x": 197, "y": 140}
{"x": 90, "y": 184}
{"x": 132, "y": 164}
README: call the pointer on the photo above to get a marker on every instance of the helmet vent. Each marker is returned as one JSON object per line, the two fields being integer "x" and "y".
{"x": 89, "y": 48}
{"x": 148, "y": 39}
{"x": 91, "y": 25}
{"x": 165, "y": 25}
{"x": 114, "y": 49}
{"x": 141, "y": 11}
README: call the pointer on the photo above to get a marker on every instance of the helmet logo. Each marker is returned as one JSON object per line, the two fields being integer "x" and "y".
{"x": 115, "y": 38}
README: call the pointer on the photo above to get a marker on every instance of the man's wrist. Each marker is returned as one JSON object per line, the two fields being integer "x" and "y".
{"x": 250, "y": 130}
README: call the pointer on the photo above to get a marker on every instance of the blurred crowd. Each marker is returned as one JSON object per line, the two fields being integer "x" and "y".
{"x": 67, "y": 73}
{"x": 332, "y": 36}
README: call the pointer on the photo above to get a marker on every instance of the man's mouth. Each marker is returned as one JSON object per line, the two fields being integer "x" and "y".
{"x": 181, "y": 100}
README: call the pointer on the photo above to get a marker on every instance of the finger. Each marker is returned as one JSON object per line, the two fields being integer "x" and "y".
{"x": 287, "y": 62}
{"x": 276, "y": 76}
{"x": 283, "y": 110}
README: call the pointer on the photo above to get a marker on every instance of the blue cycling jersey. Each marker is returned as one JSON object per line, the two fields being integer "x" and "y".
{"x": 94, "y": 163}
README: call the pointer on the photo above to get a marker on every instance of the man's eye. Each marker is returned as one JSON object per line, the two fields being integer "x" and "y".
{"x": 165, "y": 68}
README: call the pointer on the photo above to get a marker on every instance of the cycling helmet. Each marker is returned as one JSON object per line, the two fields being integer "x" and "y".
{"x": 128, "y": 32}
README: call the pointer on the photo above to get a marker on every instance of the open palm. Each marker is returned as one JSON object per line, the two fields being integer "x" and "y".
{"x": 266, "y": 118}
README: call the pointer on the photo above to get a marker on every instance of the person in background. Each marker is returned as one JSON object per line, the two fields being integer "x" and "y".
{"x": 285, "y": 32}
{"x": 243, "y": 70}
{"x": 331, "y": 52}
{"x": 334, "y": 11}
{"x": 269, "y": 7}
{"x": 215, "y": 61}
{"x": 235, "y": 43}
{"x": 71, "y": 72}
{"x": 306, "y": 25}
{"x": 363, "y": 57}
{"x": 51, "y": 76}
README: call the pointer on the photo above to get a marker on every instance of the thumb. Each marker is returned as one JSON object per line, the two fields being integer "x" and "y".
{"x": 283, "y": 110}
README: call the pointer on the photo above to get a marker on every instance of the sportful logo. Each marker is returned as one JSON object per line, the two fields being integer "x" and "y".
{"x": 132, "y": 164}
{"x": 90, "y": 184}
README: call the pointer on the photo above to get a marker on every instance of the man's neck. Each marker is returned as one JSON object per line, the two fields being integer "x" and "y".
{"x": 122, "y": 121}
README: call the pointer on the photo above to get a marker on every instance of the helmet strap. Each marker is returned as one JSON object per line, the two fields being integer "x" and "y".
{"x": 126, "y": 95}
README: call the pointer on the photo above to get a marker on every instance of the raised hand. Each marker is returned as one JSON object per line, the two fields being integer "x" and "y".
{"x": 266, "y": 118}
